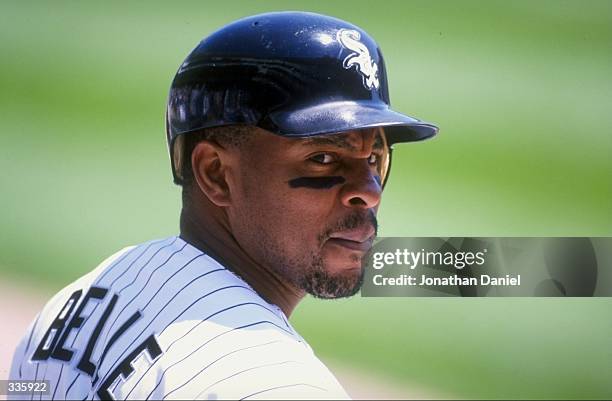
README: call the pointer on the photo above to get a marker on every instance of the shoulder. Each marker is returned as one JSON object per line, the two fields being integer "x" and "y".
{"x": 67, "y": 299}
{"x": 66, "y": 326}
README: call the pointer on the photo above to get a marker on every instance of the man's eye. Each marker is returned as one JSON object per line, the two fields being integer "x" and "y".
{"x": 323, "y": 158}
{"x": 373, "y": 159}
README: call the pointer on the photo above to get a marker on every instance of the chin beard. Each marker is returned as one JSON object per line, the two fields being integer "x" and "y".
{"x": 318, "y": 282}
{"x": 308, "y": 272}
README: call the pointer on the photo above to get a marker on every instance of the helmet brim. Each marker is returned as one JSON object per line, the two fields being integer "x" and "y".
{"x": 336, "y": 117}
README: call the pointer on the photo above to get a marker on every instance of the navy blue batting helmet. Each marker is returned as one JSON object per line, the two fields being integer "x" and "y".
{"x": 295, "y": 74}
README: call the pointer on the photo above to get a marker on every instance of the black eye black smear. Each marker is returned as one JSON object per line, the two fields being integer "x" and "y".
{"x": 316, "y": 182}
{"x": 378, "y": 180}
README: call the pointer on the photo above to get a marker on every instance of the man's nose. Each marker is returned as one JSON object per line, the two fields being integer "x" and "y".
{"x": 363, "y": 188}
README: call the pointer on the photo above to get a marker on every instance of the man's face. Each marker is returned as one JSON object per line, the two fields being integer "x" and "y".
{"x": 306, "y": 208}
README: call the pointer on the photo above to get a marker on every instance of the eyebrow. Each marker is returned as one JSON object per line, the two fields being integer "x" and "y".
{"x": 341, "y": 141}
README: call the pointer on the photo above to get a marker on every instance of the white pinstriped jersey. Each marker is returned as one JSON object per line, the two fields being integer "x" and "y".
{"x": 163, "y": 320}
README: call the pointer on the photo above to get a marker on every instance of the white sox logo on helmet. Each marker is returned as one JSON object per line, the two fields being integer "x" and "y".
{"x": 360, "y": 57}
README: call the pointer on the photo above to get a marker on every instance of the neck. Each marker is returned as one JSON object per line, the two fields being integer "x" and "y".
{"x": 205, "y": 226}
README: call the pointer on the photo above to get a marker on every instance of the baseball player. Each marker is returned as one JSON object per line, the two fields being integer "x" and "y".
{"x": 280, "y": 133}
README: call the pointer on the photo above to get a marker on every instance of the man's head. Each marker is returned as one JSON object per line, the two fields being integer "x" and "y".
{"x": 305, "y": 208}
{"x": 282, "y": 120}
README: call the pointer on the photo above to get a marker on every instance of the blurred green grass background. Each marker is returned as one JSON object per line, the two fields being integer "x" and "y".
{"x": 521, "y": 91}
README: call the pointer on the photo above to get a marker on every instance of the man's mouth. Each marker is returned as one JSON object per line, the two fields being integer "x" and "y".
{"x": 358, "y": 239}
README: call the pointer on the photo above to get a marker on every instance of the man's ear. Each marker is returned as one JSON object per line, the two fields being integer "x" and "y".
{"x": 210, "y": 171}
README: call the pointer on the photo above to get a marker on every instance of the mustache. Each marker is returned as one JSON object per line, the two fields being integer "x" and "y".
{"x": 354, "y": 220}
